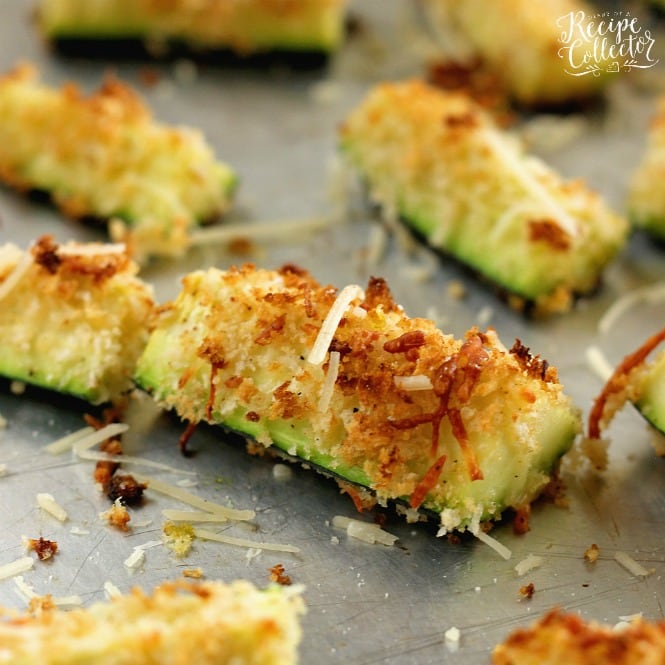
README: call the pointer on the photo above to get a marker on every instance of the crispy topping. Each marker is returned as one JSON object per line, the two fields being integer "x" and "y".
{"x": 45, "y": 253}
{"x": 378, "y": 294}
{"x": 618, "y": 381}
{"x": 453, "y": 383}
{"x": 271, "y": 330}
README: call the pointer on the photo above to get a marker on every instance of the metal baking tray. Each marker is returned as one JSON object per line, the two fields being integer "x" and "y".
{"x": 366, "y": 603}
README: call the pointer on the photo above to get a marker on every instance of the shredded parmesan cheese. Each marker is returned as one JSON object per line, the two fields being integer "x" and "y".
{"x": 16, "y": 567}
{"x": 634, "y": 567}
{"x": 413, "y": 383}
{"x": 193, "y": 500}
{"x": 49, "y": 505}
{"x": 204, "y": 534}
{"x": 16, "y": 275}
{"x": 345, "y": 297}
{"x": 498, "y": 547}
{"x": 329, "y": 384}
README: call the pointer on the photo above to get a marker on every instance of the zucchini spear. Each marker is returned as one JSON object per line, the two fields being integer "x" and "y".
{"x": 103, "y": 156}
{"x": 73, "y": 317}
{"x": 245, "y": 28}
{"x": 638, "y": 381}
{"x": 439, "y": 161}
{"x": 533, "y": 48}
{"x": 646, "y": 196}
{"x": 210, "y": 623}
{"x": 346, "y": 381}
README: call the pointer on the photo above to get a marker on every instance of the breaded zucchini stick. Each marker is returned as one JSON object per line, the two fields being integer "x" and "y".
{"x": 637, "y": 380}
{"x": 440, "y": 162}
{"x": 646, "y": 195}
{"x": 210, "y": 623}
{"x": 348, "y": 382}
{"x": 104, "y": 156}
{"x": 560, "y": 638}
{"x": 246, "y": 27}
{"x": 520, "y": 42}
{"x": 73, "y": 317}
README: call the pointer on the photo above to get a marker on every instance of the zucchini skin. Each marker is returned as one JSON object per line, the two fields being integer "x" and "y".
{"x": 440, "y": 162}
{"x": 233, "y": 349}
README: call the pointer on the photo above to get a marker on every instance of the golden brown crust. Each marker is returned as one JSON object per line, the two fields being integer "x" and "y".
{"x": 559, "y": 639}
{"x": 410, "y": 409}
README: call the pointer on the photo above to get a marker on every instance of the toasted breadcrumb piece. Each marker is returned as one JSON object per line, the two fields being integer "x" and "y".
{"x": 104, "y": 156}
{"x": 240, "y": 347}
{"x": 560, "y": 638}
{"x": 73, "y": 317}
{"x": 209, "y": 623}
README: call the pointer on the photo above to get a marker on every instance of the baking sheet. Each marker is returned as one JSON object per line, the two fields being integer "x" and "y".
{"x": 366, "y": 604}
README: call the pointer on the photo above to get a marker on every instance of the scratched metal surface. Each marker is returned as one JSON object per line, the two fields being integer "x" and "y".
{"x": 366, "y": 604}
